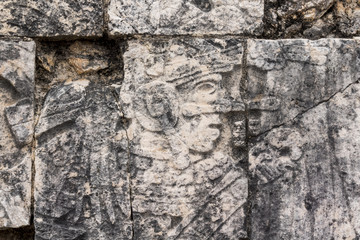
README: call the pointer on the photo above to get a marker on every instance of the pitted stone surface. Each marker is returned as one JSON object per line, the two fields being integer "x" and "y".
{"x": 304, "y": 160}
{"x": 42, "y": 18}
{"x": 312, "y": 19}
{"x": 81, "y": 183}
{"x": 182, "y": 17}
{"x": 348, "y": 16}
{"x": 287, "y": 77}
{"x": 17, "y": 73}
{"x": 186, "y": 115}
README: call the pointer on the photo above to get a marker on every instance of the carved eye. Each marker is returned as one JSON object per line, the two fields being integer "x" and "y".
{"x": 206, "y": 87}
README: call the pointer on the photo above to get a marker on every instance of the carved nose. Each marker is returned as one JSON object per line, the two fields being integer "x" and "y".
{"x": 214, "y": 121}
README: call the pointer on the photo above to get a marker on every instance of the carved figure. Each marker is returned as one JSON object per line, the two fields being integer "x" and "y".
{"x": 183, "y": 187}
{"x": 276, "y": 155}
{"x": 16, "y": 131}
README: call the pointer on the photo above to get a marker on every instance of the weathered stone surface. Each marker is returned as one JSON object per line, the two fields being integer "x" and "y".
{"x": 305, "y": 167}
{"x": 348, "y": 17}
{"x": 175, "y": 17}
{"x": 17, "y": 71}
{"x": 311, "y": 18}
{"x": 81, "y": 183}
{"x": 42, "y": 18}
{"x": 299, "y": 18}
{"x": 287, "y": 77}
{"x": 182, "y": 99}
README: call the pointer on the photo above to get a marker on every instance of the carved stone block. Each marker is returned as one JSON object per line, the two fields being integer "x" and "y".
{"x": 181, "y": 17}
{"x": 183, "y": 101}
{"x": 81, "y": 183}
{"x": 304, "y": 153}
{"x": 288, "y": 77}
{"x": 17, "y": 71}
{"x": 42, "y": 18}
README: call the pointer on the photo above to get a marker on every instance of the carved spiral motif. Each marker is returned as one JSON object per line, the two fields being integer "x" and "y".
{"x": 156, "y": 106}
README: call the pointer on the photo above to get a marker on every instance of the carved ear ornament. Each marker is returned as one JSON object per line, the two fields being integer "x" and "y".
{"x": 156, "y": 106}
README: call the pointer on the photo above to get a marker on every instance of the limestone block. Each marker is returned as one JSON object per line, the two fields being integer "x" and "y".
{"x": 185, "y": 138}
{"x": 42, "y": 18}
{"x": 288, "y": 77}
{"x": 181, "y": 17}
{"x": 17, "y": 73}
{"x": 81, "y": 183}
{"x": 304, "y": 160}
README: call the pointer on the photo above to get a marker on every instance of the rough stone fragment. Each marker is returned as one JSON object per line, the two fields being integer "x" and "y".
{"x": 288, "y": 77}
{"x": 181, "y": 17}
{"x": 183, "y": 101}
{"x": 311, "y": 19}
{"x": 348, "y": 17}
{"x": 17, "y": 71}
{"x": 81, "y": 183}
{"x": 305, "y": 171}
{"x": 299, "y": 18}
{"x": 42, "y": 18}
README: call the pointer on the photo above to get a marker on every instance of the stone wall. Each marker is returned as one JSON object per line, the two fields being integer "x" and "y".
{"x": 179, "y": 119}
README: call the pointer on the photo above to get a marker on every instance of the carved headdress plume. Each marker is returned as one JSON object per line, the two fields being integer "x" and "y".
{"x": 176, "y": 63}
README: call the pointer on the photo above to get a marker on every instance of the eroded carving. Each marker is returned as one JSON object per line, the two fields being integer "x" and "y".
{"x": 302, "y": 147}
{"x": 81, "y": 182}
{"x": 169, "y": 17}
{"x": 185, "y": 183}
{"x": 17, "y": 67}
{"x": 276, "y": 155}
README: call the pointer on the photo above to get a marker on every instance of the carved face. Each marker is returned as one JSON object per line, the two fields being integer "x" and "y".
{"x": 200, "y": 132}
{"x": 199, "y": 124}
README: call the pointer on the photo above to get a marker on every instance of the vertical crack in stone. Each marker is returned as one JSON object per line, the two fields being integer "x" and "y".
{"x": 105, "y": 17}
{"x": 128, "y": 166}
{"x": 244, "y": 96}
{"x": 37, "y": 110}
{"x": 33, "y": 170}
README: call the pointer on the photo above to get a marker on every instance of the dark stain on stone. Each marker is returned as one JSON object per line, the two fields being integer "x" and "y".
{"x": 23, "y": 233}
{"x": 203, "y": 5}
{"x": 310, "y": 202}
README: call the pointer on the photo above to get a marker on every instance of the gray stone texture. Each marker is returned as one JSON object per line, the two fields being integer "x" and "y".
{"x": 287, "y": 77}
{"x": 304, "y": 155}
{"x": 185, "y": 138}
{"x": 56, "y": 18}
{"x": 17, "y": 73}
{"x": 183, "y": 17}
{"x": 199, "y": 138}
{"x": 81, "y": 183}
{"x": 348, "y": 17}
{"x": 311, "y": 18}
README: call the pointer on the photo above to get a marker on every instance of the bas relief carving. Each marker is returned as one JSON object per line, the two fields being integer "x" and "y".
{"x": 17, "y": 68}
{"x": 81, "y": 184}
{"x": 162, "y": 155}
{"x": 185, "y": 182}
{"x": 300, "y": 155}
{"x": 165, "y": 17}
